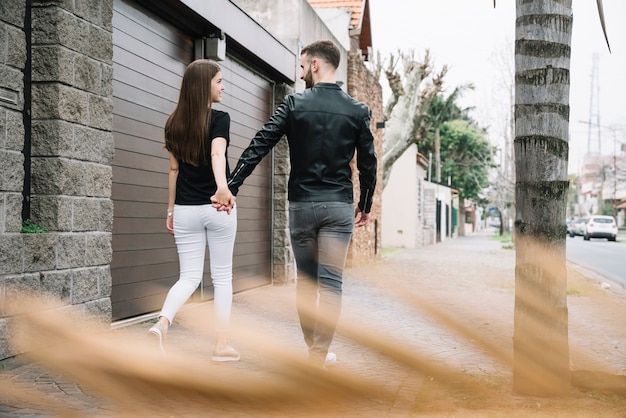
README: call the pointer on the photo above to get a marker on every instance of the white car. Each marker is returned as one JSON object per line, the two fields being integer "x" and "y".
{"x": 577, "y": 227}
{"x": 600, "y": 226}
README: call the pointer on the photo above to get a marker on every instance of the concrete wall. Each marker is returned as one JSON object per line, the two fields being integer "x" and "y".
{"x": 409, "y": 204}
{"x": 400, "y": 203}
{"x": 72, "y": 150}
{"x": 338, "y": 22}
{"x": 295, "y": 24}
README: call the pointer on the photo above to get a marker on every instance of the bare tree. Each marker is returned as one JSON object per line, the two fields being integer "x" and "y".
{"x": 413, "y": 87}
{"x": 503, "y": 185}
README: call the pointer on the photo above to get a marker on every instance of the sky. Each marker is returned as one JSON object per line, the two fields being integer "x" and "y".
{"x": 476, "y": 42}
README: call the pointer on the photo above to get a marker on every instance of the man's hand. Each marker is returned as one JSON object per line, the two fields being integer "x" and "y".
{"x": 360, "y": 218}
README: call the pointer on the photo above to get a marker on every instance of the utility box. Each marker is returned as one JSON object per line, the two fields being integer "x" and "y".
{"x": 212, "y": 47}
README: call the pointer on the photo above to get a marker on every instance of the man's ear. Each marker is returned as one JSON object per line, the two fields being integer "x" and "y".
{"x": 315, "y": 64}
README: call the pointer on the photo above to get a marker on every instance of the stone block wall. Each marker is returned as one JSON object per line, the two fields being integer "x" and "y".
{"x": 430, "y": 216}
{"x": 69, "y": 128}
{"x": 12, "y": 61}
{"x": 284, "y": 267}
{"x": 419, "y": 213}
{"x": 363, "y": 86}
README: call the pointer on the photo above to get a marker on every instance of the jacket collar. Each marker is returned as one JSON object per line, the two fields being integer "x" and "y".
{"x": 327, "y": 85}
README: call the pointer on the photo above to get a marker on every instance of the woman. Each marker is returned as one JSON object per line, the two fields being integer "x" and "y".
{"x": 197, "y": 137}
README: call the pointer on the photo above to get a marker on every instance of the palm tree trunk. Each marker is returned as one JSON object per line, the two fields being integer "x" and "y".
{"x": 542, "y": 61}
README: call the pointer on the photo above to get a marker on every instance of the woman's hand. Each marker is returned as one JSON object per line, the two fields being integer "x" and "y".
{"x": 169, "y": 222}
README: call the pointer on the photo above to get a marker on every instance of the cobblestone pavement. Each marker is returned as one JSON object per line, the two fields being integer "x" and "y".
{"x": 399, "y": 298}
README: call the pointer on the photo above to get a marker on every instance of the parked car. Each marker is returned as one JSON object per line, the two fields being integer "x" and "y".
{"x": 577, "y": 227}
{"x": 568, "y": 226}
{"x": 601, "y": 226}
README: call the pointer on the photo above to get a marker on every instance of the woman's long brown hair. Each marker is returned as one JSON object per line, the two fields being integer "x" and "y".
{"x": 187, "y": 127}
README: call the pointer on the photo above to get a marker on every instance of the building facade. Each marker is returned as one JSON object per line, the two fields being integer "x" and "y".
{"x": 417, "y": 212}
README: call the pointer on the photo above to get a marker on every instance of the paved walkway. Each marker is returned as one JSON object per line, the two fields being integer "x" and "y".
{"x": 447, "y": 304}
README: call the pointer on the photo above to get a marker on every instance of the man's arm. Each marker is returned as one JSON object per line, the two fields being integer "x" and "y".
{"x": 261, "y": 144}
{"x": 367, "y": 163}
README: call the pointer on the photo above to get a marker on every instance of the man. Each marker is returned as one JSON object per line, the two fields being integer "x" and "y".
{"x": 324, "y": 127}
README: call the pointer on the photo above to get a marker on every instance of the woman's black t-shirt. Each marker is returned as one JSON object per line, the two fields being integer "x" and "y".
{"x": 196, "y": 185}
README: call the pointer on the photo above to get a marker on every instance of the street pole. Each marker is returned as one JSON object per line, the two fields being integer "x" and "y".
{"x": 614, "y": 175}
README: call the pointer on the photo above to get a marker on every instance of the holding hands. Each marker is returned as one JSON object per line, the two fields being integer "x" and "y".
{"x": 223, "y": 200}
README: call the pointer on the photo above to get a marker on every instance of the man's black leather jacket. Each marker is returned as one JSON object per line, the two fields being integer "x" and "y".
{"x": 324, "y": 127}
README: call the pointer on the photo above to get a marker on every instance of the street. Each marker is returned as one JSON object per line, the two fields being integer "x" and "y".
{"x": 447, "y": 305}
{"x": 600, "y": 256}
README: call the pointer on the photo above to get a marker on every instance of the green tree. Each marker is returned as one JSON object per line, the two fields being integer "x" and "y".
{"x": 441, "y": 110}
{"x": 461, "y": 150}
{"x": 466, "y": 159}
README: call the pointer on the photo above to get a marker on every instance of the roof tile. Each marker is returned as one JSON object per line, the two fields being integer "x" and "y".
{"x": 355, "y": 6}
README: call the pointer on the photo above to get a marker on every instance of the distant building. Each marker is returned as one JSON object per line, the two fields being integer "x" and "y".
{"x": 417, "y": 212}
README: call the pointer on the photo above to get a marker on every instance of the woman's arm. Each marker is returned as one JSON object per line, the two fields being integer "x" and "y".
{"x": 222, "y": 197}
{"x": 171, "y": 193}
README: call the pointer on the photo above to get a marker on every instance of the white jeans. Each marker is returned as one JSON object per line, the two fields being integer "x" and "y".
{"x": 194, "y": 226}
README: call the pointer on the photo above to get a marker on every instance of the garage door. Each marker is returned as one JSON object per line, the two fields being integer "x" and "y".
{"x": 149, "y": 59}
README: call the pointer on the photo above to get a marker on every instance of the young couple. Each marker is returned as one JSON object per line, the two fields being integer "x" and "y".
{"x": 324, "y": 127}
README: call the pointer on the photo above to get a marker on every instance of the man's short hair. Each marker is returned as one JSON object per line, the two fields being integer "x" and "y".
{"x": 325, "y": 50}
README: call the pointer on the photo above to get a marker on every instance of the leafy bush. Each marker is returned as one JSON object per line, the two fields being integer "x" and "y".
{"x": 30, "y": 227}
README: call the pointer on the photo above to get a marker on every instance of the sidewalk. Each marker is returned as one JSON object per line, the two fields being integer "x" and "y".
{"x": 470, "y": 279}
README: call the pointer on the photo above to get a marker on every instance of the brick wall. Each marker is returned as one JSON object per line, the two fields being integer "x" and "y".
{"x": 72, "y": 152}
{"x": 363, "y": 86}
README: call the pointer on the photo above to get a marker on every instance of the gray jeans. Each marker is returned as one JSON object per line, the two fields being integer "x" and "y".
{"x": 320, "y": 236}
